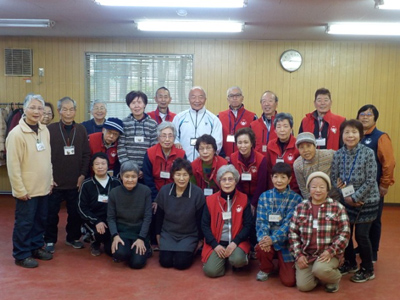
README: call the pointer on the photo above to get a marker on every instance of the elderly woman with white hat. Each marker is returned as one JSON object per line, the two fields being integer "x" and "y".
{"x": 318, "y": 235}
{"x": 311, "y": 160}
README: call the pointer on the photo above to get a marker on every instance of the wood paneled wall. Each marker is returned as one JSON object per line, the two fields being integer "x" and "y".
{"x": 356, "y": 73}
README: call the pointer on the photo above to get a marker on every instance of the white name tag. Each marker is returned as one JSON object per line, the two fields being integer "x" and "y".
{"x": 139, "y": 139}
{"x": 278, "y": 160}
{"x": 193, "y": 141}
{"x": 264, "y": 148}
{"x": 165, "y": 175}
{"x": 226, "y": 215}
{"x": 230, "y": 138}
{"x": 102, "y": 198}
{"x": 274, "y": 218}
{"x": 246, "y": 176}
{"x": 321, "y": 142}
{"x": 348, "y": 191}
{"x": 208, "y": 192}
{"x": 315, "y": 224}
{"x": 69, "y": 150}
{"x": 40, "y": 146}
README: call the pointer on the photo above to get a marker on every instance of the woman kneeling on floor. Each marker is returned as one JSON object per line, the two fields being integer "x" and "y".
{"x": 318, "y": 235}
{"x": 226, "y": 225}
{"x": 129, "y": 217}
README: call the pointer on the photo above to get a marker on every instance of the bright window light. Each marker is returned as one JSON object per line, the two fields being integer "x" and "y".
{"x": 364, "y": 28}
{"x": 175, "y": 3}
{"x": 26, "y": 23}
{"x": 190, "y": 26}
{"x": 388, "y": 4}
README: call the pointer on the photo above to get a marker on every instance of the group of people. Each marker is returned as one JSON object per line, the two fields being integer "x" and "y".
{"x": 232, "y": 185}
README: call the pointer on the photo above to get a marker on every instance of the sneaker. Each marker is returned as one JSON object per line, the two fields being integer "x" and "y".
{"x": 42, "y": 254}
{"x": 332, "y": 287}
{"x": 28, "y": 262}
{"x": 49, "y": 247}
{"x": 363, "y": 275}
{"x": 346, "y": 269}
{"x": 77, "y": 244}
{"x": 88, "y": 238}
{"x": 262, "y": 276}
{"x": 95, "y": 249}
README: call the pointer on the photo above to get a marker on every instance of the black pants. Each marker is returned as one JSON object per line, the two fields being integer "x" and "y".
{"x": 180, "y": 260}
{"x": 125, "y": 253}
{"x": 29, "y": 226}
{"x": 376, "y": 228}
{"x": 98, "y": 238}
{"x": 74, "y": 221}
{"x": 364, "y": 246}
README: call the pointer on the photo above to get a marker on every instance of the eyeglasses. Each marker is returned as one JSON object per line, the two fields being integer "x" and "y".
{"x": 165, "y": 136}
{"x": 207, "y": 148}
{"x": 366, "y": 114}
{"x": 101, "y": 108}
{"x": 227, "y": 179}
{"x": 35, "y": 108}
{"x": 234, "y": 95}
{"x": 47, "y": 114}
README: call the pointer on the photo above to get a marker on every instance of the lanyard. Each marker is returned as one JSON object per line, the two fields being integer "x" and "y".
{"x": 234, "y": 123}
{"x": 347, "y": 180}
{"x": 196, "y": 124}
{"x": 285, "y": 197}
{"x": 229, "y": 207}
{"x": 109, "y": 186}
{"x": 268, "y": 126}
{"x": 212, "y": 174}
{"x": 62, "y": 134}
{"x": 321, "y": 125}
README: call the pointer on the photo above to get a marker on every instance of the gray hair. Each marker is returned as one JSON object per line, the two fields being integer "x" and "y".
{"x": 197, "y": 87}
{"x": 30, "y": 97}
{"x": 233, "y": 88}
{"x": 129, "y": 166}
{"x": 228, "y": 169}
{"x": 165, "y": 125}
{"x": 283, "y": 116}
{"x": 96, "y": 102}
{"x": 269, "y": 92}
{"x": 65, "y": 99}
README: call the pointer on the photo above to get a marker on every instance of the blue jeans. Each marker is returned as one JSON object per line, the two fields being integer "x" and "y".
{"x": 29, "y": 226}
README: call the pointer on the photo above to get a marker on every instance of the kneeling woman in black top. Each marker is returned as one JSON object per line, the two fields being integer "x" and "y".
{"x": 178, "y": 218}
{"x": 129, "y": 217}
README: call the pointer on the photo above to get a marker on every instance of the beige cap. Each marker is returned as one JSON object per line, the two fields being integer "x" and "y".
{"x": 321, "y": 175}
{"x": 306, "y": 137}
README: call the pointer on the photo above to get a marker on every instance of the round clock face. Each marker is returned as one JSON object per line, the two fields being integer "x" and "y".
{"x": 291, "y": 60}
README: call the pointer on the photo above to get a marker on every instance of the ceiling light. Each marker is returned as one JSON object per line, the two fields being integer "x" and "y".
{"x": 175, "y": 3}
{"x": 26, "y": 23}
{"x": 190, "y": 26}
{"x": 387, "y": 4}
{"x": 364, "y": 28}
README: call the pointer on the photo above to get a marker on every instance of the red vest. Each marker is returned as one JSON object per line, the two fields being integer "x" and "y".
{"x": 214, "y": 204}
{"x": 248, "y": 187}
{"x": 197, "y": 168}
{"x": 334, "y": 122}
{"x": 244, "y": 118}
{"x": 262, "y": 135}
{"x": 159, "y": 163}
{"x": 289, "y": 156}
{"x": 96, "y": 144}
{"x": 155, "y": 115}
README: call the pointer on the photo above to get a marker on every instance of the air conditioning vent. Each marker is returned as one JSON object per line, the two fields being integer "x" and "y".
{"x": 18, "y": 62}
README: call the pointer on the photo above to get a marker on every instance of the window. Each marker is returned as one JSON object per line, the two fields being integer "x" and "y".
{"x": 111, "y": 76}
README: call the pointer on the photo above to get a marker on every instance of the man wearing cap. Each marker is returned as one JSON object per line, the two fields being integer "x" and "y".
{"x": 310, "y": 160}
{"x": 322, "y": 122}
{"x": 162, "y": 113}
{"x": 264, "y": 126}
{"x": 233, "y": 119}
{"x": 107, "y": 142}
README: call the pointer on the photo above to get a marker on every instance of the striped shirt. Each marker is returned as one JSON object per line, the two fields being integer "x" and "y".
{"x": 139, "y": 135}
{"x": 273, "y": 202}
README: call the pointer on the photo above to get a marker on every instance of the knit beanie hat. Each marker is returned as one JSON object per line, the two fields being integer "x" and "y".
{"x": 320, "y": 175}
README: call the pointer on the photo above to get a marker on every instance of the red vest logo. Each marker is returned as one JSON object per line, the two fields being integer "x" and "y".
{"x": 113, "y": 153}
{"x": 290, "y": 156}
{"x": 243, "y": 122}
{"x": 334, "y": 129}
{"x": 253, "y": 169}
{"x": 239, "y": 208}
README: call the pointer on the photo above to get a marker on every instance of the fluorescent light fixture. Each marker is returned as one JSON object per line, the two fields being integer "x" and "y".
{"x": 387, "y": 4}
{"x": 364, "y": 28}
{"x": 175, "y": 3}
{"x": 26, "y": 23}
{"x": 190, "y": 26}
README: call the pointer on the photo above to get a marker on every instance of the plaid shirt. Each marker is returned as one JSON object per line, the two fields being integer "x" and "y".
{"x": 333, "y": 231}
{"x": 273, "y": 202}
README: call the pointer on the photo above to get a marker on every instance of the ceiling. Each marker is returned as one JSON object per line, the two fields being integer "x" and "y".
{"x": 265, "y": 19}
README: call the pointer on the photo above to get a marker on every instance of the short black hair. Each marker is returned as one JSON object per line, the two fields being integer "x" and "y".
{"x": 206, "y": 139}
{"x": 352, "y": 123}
{"x": 372, "y": 108}
{"x": 282, "y": 168}
{"x": 247, "y": 131}
{"x": 181, "y": 163}
{"x": 101, "y": 155}
{"x": 322, "y": 91}
{"x": 135, "y": 94}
